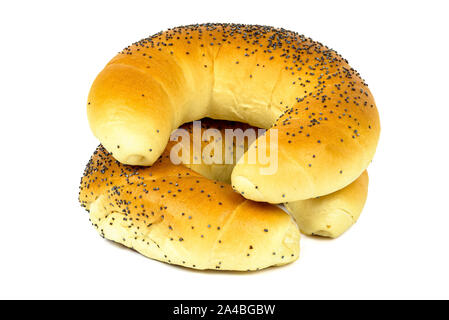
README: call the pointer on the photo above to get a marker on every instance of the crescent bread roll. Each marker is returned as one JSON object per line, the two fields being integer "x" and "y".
{"x": 172, "y": 214}
{"x": 333, "y": 214}
{"x": 328, "y": 216}
{"x": 324, "y": 114}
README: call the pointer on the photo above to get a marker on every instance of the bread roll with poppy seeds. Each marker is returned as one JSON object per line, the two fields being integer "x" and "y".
{"x": 172, "y": 214}
{"x": 328, "y": 216}
{"x": 326, "y": 118}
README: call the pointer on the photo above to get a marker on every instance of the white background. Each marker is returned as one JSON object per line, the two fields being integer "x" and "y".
{"x": 50, "y": 52}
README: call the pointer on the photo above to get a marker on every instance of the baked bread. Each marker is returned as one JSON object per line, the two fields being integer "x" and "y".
{"x": 322, "y": 111}
{"x": 172, "y": 214}
{"x": 328, "y": 216}
{"x": 331, "y": 215}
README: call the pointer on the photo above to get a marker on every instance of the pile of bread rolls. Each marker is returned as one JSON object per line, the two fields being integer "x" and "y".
{"x": 227, "y": 216}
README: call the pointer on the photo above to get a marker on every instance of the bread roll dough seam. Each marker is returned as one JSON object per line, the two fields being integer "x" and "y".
{"x": 223, "y": 229}
{"x": 275, "y": 86}
{"x": 158, "y": 83}
{"x": 310, "y": 184}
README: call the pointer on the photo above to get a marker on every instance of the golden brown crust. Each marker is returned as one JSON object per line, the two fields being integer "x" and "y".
{"x": 255, "y": 74}
{"x": 172, "y": 214}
